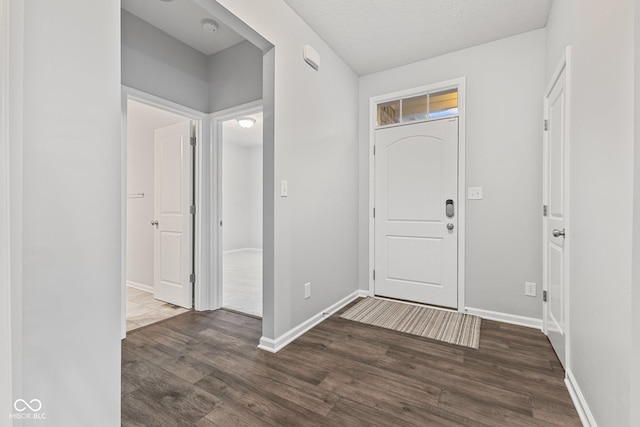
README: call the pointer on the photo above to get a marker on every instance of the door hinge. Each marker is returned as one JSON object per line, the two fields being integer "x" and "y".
{"x": 374, "y": 150}
{"x": 544, "y": 296}
{"x": 374, "y": 212}
{"x": 192, "y": 278}
{"x": 193, "y": 141}
{"x": 545, "y": 210}
{"x": 192, "y": 209}
{"x": 546, "y": 125}
{"x": 374, "y": 275}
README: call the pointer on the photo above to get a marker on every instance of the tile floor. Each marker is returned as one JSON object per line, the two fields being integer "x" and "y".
{"x": 242, "y": 281}
{"x": 143, "y": 309}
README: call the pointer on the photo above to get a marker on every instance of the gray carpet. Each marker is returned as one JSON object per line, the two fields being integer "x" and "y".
{"x": 448, "y": 326}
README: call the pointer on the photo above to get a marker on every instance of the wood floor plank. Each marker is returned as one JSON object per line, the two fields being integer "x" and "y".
{"x": 204, "y": 369}
{"x": 162, "y": 397}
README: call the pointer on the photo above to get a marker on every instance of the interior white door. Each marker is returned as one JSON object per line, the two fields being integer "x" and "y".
{"x": 555, "y": 193}
{"x": 172, "y": 201}
{"x": 416, "y": 237}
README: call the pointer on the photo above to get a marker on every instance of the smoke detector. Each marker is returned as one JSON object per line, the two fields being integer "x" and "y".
{"x": 209, "y": 25}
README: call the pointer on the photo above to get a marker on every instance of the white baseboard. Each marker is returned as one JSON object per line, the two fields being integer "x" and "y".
{"x": 579, "y": 401}
{"x": 140, "y": 286}
{"x": 233, "y": 251}
{"x": 273, "y": 346}
{"x": 529, "y": 322}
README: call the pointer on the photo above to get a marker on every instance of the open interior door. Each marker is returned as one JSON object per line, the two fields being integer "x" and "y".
{"x": 556, "y": 179}
{"x": 172, "y": 203}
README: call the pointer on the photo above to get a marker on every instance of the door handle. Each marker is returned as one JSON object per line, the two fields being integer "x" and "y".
{"x": 155, "y": 222}
{"x": 450, "y": 226}
{"x": 558, "y": 233}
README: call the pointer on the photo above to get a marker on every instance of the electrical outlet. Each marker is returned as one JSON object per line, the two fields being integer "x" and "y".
{"x": 307, "y": 290}
{"x": 530, "y": 289}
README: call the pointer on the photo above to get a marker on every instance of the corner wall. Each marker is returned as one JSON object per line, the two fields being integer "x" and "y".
{"x": 235, "y": 76}
{"x": 601, "y": 197}
{"x": 315, "y": 149}
{"x": 504, "y": 86}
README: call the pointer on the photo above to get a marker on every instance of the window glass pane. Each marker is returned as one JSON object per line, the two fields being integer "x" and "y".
{"x": 414, "y": 108}
{"x": 443, "y": 103}
{"x": 388, "y": 113}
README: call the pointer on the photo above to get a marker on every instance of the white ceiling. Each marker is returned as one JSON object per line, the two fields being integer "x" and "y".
{"x": 375, "y": 35}
{"x": 182, "y": 19}
{"x": 232, "y": 133}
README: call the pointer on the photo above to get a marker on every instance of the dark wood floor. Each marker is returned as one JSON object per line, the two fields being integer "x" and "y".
{"x": 204, "y": 369}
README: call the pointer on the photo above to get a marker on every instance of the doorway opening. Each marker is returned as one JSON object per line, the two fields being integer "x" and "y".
{"x": 241, "y": 207}
{"x": 159, "y": 220}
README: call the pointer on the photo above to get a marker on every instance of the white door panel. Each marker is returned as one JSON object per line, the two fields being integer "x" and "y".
{"x": 172, "y": 239}
{"x": 555, "y": 191}
{"x": 416, "y": 172}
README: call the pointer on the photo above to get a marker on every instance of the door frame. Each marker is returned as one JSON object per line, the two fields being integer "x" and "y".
{"x": 217, "y": 119}
{"x": 460, "y": 84}
{"x": 202, "y": 229}
{"x": 563, "y": 65}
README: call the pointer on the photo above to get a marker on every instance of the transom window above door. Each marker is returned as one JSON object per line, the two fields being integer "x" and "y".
{"x": 428, "y": 106}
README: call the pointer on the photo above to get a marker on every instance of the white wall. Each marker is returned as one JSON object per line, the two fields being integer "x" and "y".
{"x": 70, "y": 253}
{"x": 156, "y": 63}
{"x": 242, "y": 197}
{"x": 503, "y": 155}
{"x": 255, "y": 191}
{"x": 7, "y": 309}
{"x": 142, "y": 121}
{"x": 235, "y": 76}
{"x": 602, "y": 162}
{"x": 314, "y": 125}
{"x": 235, "y": 196}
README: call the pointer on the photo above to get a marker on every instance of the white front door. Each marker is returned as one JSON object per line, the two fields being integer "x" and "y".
{"x": 172, "y": 201}
{"x": 555, "y": 200}
{"x": 416, "y": 226}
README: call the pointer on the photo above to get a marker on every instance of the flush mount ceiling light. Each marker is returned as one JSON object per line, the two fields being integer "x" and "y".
{"x": 246, "y": 122}
{"x": 209, "y": 25}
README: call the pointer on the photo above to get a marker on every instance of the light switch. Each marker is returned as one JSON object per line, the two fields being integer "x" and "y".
{"x": 475, "y": 193}
{"x": 284, "y": 191}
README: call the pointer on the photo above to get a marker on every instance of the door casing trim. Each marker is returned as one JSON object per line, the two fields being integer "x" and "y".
{"x": 460, "y": 84}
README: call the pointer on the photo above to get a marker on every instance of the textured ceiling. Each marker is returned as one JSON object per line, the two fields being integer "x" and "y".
{"x": 375, "y": 35}
{"x": 251, "y": 137}
{"x": 182, "y": 19}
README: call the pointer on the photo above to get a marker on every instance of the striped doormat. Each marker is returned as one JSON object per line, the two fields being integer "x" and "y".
{"x": 448, "y": 326}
